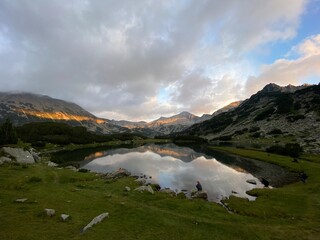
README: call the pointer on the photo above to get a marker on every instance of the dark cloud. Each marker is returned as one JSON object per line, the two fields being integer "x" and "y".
{"x": 114, "y": 56}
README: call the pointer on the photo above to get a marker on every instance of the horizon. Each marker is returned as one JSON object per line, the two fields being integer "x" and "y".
{"x": 142, "y": 61}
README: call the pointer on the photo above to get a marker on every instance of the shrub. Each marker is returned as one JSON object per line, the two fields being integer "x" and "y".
{"x": 34, "y": 179}
{"x": 254, "y": 129}
{"x": 293, "y": 118}
{"x": 264, "y": 114}
{"x": 8, "y": 133}
{"x": 275, "y": 131}
{"x": 290, "y": 149}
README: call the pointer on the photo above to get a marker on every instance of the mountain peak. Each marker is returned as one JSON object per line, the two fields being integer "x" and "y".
{"x": 271, "y": 87}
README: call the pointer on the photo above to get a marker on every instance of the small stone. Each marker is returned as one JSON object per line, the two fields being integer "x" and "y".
{"x": 52, "y": 164}
{"x": 50, "y": 212}
{"x": 96, "y": 220}
{"x": 21, "y": 200}
{"x": 128, "y": 189}
{"x": 64, "y": 217}
{"x": 145, "y": 188}
{"x": 252, "y": 181}
{"x": 141, "y": 181}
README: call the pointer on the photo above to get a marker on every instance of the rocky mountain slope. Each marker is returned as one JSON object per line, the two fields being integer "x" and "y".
{"x": 292, "y": 112}
{"x": 23, "y": 108}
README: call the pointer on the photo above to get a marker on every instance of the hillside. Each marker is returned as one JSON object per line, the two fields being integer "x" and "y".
{"x": 23, "y": 108}
{"x": 290, "y": 112}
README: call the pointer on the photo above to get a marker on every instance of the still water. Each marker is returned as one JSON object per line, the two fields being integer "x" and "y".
{"x": 177, "y": 168}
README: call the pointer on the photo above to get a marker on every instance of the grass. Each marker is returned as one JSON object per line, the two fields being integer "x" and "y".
{"x": 291, "y": 212}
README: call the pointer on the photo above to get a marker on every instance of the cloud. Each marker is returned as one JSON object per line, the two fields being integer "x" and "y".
{"x": 114, "y": 56}
{"x": 284, "y": 71}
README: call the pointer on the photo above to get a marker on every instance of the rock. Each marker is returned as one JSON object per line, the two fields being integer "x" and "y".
{"x": 50, "y": 212}
{"x": 35, "y": 155}
{"x": 52, "y": 164}
{"x": 19, "y": 155}
{"x": 72, "y": 168}
{"x": 145, "y": 188}
{"x": 128, "y": 189}
{"x": 168, "y": 191}
{"x": 21, "y": 200}
{"x": 96, "y": 220}
{"x": 141, "y": 181}
{"x": 121, "y": 172}
{"x": 64, "y": 217}
{"x": 200, "y": 194}
{"x": 252, "y": 181}
{"x": 4, "y": 159}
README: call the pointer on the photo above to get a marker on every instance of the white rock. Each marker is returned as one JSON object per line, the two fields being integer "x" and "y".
{"x": 96, "y": 220}
{"x": 21, "y": 200}
{"x": 128, "y": 189}
{"x": 141, "y": 181}
{"x": 52, "y": 164}
{"x": 64, "y": 217}
{"x": 50, "y": 212}
{"x": 20, "y": 155}
{"x": 145, "y": 188}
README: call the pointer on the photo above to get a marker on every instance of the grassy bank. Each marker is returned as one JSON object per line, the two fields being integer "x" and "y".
{"x": 291, "y": 212}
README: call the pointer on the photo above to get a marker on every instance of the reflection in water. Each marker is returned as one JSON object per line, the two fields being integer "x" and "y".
{"x": 167, "y": 169}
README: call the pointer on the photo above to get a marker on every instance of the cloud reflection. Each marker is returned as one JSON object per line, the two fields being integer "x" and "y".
{"x": 216, "y": 178}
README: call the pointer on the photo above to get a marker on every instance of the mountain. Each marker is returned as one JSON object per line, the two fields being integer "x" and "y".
{"x": 23, "y": 108}
{"x": 293, "y": 112}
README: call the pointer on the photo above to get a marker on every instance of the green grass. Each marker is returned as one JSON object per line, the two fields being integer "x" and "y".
{"x": 291, "y": 212}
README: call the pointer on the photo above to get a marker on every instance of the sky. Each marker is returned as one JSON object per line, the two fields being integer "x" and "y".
{"x": 139, "y": 60}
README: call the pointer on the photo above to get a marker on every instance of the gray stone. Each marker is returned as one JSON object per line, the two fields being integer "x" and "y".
{"x": 128, "y": 189}
{"x": 35, "y": 155}
{"x": 52, "y": 164}
{"x": 141, "y": 181}
{"x": 50, "y": 212}
{"x": 200, "y": 194}
{"x": 252, "y": 181}
{"x": 168, "y": 191}
{"x": 21, "y": 200}
{"x": 4, "y": 159}
{"x": 145, "y": 188}
{"x": 64, "y": 217}
{"x": 121, "y": 172}
{"x": 96, "y": 220}
{"x": 19, "y": 155}
{"x": 71, "y": 168}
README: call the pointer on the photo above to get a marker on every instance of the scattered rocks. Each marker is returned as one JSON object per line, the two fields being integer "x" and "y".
{"x": 199, "y": 194}
{"x": 21, "y": 200}
{"x": 50, "y": 212}
{"x": 19, "y": 155}
{"x": 72, "y": 168}
{"x": 168, "y": 191}
{"x": 145, "y": 188}
{"x": 252, "y": 181}
{"x": 64, "y": 217}
{"x": 96, "y": 220}
{"x": 128, "y": 189}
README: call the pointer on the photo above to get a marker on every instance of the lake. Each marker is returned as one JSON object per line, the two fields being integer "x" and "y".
{"x": 177, "y": 168}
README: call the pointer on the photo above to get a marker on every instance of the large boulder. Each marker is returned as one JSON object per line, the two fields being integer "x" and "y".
{"x": 141, "y": 181}
{"x": 19, "y": 155}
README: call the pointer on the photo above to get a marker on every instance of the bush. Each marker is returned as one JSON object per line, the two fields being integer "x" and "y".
{"x": 34, "y": 179}
{"x": 264, "y": 114}
{"x": 284, "y": 103}
{"x": 275, "y": 131}
{"x": 290, "y": 149}
{"x": 8, "y": 133}
{"x": 293, "y": 118}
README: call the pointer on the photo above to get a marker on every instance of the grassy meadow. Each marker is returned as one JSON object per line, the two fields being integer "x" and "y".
{"x": 290, "y": 212}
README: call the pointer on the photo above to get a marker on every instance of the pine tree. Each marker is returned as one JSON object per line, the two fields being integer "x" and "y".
{"x": 8, "y": 134}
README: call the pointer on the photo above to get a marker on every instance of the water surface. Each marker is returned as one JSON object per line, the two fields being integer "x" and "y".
{"x": 177, "y": 168}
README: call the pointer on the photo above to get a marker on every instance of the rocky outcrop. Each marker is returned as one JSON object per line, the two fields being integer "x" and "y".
{"x": 4, "y": 159}
{"x": 168, "y": 191}
{"x": 19, "y": 155}
{"x": 96, "y": 220}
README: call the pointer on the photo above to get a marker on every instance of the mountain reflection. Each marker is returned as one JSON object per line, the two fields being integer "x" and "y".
{"x": 175, "y": 167}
